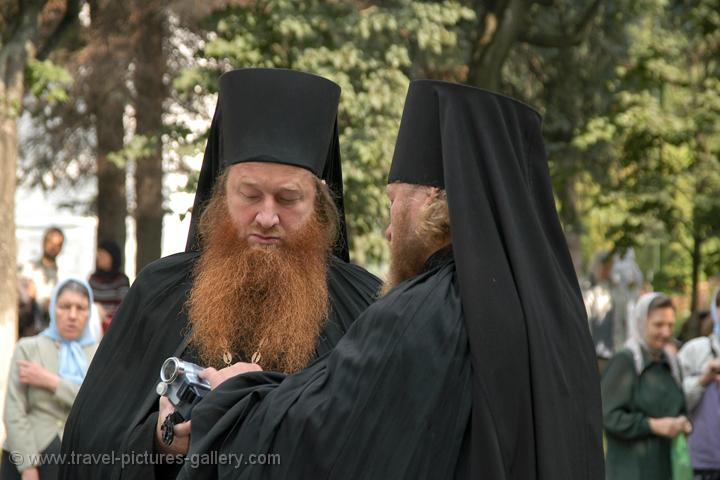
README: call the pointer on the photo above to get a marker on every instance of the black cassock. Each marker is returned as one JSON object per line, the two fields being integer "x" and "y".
{"x": 391, "y": 401}
{"x": 115, "y": 412}
{"x": 506, "y": 390}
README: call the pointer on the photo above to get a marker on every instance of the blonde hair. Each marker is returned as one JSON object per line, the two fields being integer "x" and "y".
{"x": 434, "y": 225}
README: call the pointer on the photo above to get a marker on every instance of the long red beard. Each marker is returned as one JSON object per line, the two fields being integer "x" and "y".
{"x": 269, "y": 300}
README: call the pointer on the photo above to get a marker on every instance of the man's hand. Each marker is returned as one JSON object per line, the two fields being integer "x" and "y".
{"x": 181, "y": 439}
{"x": 712, "y": 372}
{"x": 217, "y": 377}
{"x": 30, "y": 474}
{"x": 670, "y": 427}
{"x": 34, "y": 374}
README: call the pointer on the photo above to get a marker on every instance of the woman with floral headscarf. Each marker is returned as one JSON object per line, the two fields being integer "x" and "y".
{"x": 700, "y": 362}
{"x": 45, "y": 376}
{"x": 643, "y": 404}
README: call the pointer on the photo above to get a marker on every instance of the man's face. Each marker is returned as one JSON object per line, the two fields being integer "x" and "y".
{"x": 53, "y": 245}
{"x": 256, "y": 294}
{"x": 408, "y": 252}
{"x": 268, "y": 201}
{"x": 406, "y": 204}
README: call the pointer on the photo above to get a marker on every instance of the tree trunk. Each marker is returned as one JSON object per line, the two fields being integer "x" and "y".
{"x": 14, "y": 56}
{"x": 500, "y": 23}
{"x": 108, "y": 97}
{"x": 150, "y": 66}
{"x": 696, "y": 262}
{"x": 8, "y": 259}
{"x": 111, "y": 198}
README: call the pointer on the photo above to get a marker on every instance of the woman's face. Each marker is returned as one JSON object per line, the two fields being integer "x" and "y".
{"x": 71, "y": 314}
{"x": 660, "y": 325}
{"x": 104, "y": 259}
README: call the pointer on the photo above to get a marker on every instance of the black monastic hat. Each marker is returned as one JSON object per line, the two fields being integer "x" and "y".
{"x": 273, "y": 115}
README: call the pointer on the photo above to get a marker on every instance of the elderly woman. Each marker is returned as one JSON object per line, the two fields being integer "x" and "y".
{"x": 45, "y": 376}
{"x": 643, "y": 404}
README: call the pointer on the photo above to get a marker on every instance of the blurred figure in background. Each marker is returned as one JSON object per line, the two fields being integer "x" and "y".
{"x": 37, "y": 279}
{"x": 45, "y": 376}
{"x": 701, "y": 372}
{"x": 700, "y": 324}
{"x": 626, "y": 279}
{"x": 599, "y": 307}
{"x": 31, "y": 318}
{"x": 643, "y": 403}
{"x": 109, "y": 284}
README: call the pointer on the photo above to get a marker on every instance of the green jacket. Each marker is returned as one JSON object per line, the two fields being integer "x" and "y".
{"x": 629, "y": 400}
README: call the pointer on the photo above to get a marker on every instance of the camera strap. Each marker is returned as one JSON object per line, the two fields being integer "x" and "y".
{"x": 168, "y": 427}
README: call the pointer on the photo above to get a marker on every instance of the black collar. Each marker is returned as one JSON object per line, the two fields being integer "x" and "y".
{"x": 439, "y": 258}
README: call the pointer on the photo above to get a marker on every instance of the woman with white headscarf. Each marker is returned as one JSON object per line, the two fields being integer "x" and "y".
{"x": 700, "y": 362}
{"x": 45, "y": 376}
{"x": 643, "y": 403}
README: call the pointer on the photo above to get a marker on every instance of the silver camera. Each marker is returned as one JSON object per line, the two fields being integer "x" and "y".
{"x": 181, "y": 384}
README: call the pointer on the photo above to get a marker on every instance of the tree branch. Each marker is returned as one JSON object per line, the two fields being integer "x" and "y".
{"x": 72, "y": 10}
{"x": 573, "y": 38}
{"x": 14, "y": 51}
{"x": 9, "y": 21}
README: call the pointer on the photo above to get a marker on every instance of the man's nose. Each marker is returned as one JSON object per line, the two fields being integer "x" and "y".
{"x": 388, "y": 233}
{"x": 267, "y": 216}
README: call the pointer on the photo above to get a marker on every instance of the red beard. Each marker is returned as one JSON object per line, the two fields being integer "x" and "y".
{"x": 270, "y": 300}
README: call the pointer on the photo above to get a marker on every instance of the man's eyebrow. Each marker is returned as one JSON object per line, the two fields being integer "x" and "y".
{"x": 246, "y": 182}
{"x": 290, "y": 188}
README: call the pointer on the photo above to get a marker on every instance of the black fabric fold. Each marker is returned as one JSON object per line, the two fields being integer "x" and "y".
{"x": 392, "y": 400}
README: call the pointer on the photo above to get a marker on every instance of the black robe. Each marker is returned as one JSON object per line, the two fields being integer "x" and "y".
{"x": 391, "y": 401}
{"x": 115, "y": 412}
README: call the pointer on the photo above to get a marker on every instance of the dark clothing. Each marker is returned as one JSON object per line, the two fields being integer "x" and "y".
{"x": 706, "y": 474}
{"x": 391, "y": 401}
{"x": 109, "y": 286}
{"x": 629, "y": 400}
{"x": 536, "y": 398}
{"x": 116, "y": 409}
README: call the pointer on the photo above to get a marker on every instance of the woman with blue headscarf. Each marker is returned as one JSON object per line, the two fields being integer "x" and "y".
{"x": 45, "y": 376}
{"x": 700, "y": 362}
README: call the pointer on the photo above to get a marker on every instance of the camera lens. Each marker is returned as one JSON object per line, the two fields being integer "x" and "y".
{"x": 169, "y": 369}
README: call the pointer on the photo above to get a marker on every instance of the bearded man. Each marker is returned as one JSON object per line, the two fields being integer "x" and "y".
{"x": 263, "y": 278}
{"x": 477, "y": 363}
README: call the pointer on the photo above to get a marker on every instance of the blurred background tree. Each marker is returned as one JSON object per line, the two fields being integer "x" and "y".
{"x": 628, "y": 90}
{"x": 659, "y": 141}
{"x": 29, "y": 31}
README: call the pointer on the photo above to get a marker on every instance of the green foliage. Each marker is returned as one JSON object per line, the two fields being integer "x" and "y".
{"x": 370, "y": 52}
{"x": 48, "y": 81}
{"x": 140, "y": 146}
{"x": 660, "y": 138}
